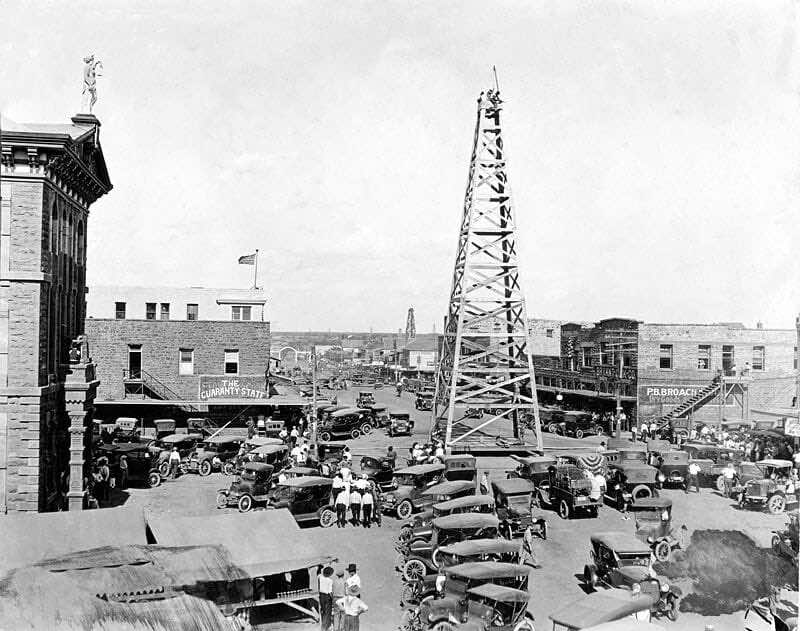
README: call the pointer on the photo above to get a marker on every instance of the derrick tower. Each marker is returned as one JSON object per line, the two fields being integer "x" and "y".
{"x": 485, "y": 386}
{"x": 411, "y": 327}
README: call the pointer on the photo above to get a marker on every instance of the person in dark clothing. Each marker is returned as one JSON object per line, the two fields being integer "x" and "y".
{"x": 326, "y": 598}
{"x": 105, "y": 477}
{"x": 123, "y": 472}
{"x": 391, "y": 456}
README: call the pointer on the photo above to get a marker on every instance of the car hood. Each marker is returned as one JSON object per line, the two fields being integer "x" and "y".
{"x": 633, "y": 574}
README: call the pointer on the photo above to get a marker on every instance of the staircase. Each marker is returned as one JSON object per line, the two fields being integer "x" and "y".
{"x": 705, "y": 395}
{"x": 145, "y": 386}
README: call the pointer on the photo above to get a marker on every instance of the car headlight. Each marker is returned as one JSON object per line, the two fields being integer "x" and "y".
{"x": 661, "y": 477}
{"x": 664, "y": 588}
{"x": 650, "y": 540}
{"x": 636, "y": 588}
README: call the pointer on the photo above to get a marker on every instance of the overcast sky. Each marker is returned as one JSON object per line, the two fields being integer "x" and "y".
{"x": 654, "y": 149}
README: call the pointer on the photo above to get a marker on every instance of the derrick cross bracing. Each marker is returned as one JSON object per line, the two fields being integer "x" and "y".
{"x": 485, "y": 387}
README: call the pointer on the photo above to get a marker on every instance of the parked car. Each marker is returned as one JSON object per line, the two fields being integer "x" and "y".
{"x": 299, "y": 472}
{"x": 502, "y": 550}
{"x": 629, "y": 482}
{"x": 785, "y": 542}
{"x": 379, "y": 470}
{"x": 420, "y": 526}
{"x": 622, "y": 560}
{"x": 329, "y": 454}
{"x": 535, "y": 469}
{"x": 250, "y": 487}
{"x": 435, "y": 495}
{"x": 601, "y": 607}
{"x": 578, "y": 424}
{"x": 365, "y": 398}
{"x": 673, "y": 465}
{"x": 424, "y": 401}
{"x": 421, "y": 555}
{"x": 460, "y": 467}
{"x": 770, "y": 490}
{"x": 142, "y": 464}
{"x": 308, "y": 498}
{"x": 346, "y": 423}
{"x": 569, "y": 492}
{"x": 776, "y": 612}
{"x": 185, "y": 444}
{"x": 495, "y": 608}
{"x": 400, "y": 424}
{"x": 379, "y": 414}
{"x": 408, "y": 485}
{"x": 653, "y": 520}
{"x": 201, "y": 425}
{"x": 514, "y": 500}
{"x": 214, "y": 454}
{"x": 711, "y": 459}
{"x": 275, "y": 455}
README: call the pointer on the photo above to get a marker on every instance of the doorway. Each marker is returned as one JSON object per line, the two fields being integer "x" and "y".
{"x": 134, "y": 361}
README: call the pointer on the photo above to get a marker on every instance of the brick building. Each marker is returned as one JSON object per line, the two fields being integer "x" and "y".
{"x": 49, "y": 177}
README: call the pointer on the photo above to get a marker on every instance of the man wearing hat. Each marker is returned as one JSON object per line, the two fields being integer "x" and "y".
{"x": 337, "y": 593}
{"x": 353, "y": 579}
{"x": 325, "y": 597}
{"x": 352, "y": 607}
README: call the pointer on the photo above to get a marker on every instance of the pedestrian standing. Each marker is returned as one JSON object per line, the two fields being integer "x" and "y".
{"x": 293, "y": 436}
{"x": 174, "y": 463}
{"x": 484, "y": 485}
{"x": 326, "y": 598}
{"x": 391, "y": 456}
{"x": 623, "y": 421}
{"x": 528, "y": 555}
{"x": 123, "y": 472}
{"x": 728, "y": 474}
{"x": 366, "y": 508}
{"x": 342, "y": 502}
{"x": 353, "y": 580}
{"x": 347, "y": 455}
{"x": 355, "y": 505}
{"x": 634, "y": 430}
{"x": 643, "y": 432}
{"x": 653, "y": 430}
{"x": 251, "y": 430}
{"x": 352, "y": 607}
{"x": 337, "y": 592}
{"x": 104, "y": 476}
{"x": 692, "y": 477}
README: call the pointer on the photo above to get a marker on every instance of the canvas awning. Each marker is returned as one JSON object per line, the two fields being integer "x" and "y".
{"x": 287, "y": 548}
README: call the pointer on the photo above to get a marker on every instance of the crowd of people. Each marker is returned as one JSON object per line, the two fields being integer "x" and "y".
{"x": 356, "y": 496}
{"x": 340, "y": 601}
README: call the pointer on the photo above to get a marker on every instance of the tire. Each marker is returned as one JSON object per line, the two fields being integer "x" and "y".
{"x": 366, "y": 428}
{"x": 564, "y": 510}
{"x": 720, "y": 484}
{"x": 245, "y": 503}
{"x": 776, "y": 504}
{"x": 325, "y": 437}
{"x": 222, "y": 500}
{"x": 409, "y": 595}
{"x": 552, "y": 428}
{"x": 404, "y": 509}
{"x": 525, "y": 625}
{"x": 599, "y": 431}
{"x": 228, "y": 468}
{"x": 641, "y": 491}
{"x": 435, "y": 559}
{"x": 662, "y": 551}
{"x": 327, "y": 518}
{"x": 776, "y": 544}
{"x": 153, "y": 479}
{"x": 414, "y": 570}
{"x": 205, "y": 468}
{"x": 355, "y": 434}
{"x": 590, "y": 577}
{"x": 406, "y": 532}
{"x": 163, "y": 468}
{"x": 579, "y": 433}
{"x": 543, "y": 530}
{"x": 443, "y": 625}
{"x": 672, "y": 608}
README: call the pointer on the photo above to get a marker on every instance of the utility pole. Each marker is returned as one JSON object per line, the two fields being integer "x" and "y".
{"x": 314, "y": 397}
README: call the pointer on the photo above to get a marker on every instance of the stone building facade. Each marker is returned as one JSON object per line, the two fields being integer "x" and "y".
{"x": 50, "y": 175}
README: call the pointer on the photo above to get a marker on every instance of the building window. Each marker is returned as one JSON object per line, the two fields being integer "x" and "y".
{"x": 231, "y": 362}
{"x": 727, "y": 359}
{"x": 191, "y": 312}
{"x": 165, "y": 311}
{"x": 186, "y": 361}
{"x": 149, "y": 311}
{"x": 586, "y": 359}
{"x": 239, "y": 312}
{"x": 665, "y": 356}
{"x": 119, "y": 309}
{"x": 549, "y": 332}
{"x": 704, "y": 357}
{"x": 758, "y": 358}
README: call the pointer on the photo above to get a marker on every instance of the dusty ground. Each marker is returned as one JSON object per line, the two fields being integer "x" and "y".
{"x": 562, "y": 556}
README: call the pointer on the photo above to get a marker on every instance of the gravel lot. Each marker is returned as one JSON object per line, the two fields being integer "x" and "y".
{"x": 562, "y": 556}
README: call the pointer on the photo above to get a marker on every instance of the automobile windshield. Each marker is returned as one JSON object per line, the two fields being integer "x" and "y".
{"x": 248, "y": 476}
{"x": 519, "y": 503}
{"x": 634, "y": 560}
{"x": 282, "y": 492}
{"x": 211, "y": 447}
{"x": 650, "y": 516}
{"x": 406, "y": 479}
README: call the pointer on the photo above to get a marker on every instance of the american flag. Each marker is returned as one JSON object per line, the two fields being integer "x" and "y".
{"x": 247, "y": 259}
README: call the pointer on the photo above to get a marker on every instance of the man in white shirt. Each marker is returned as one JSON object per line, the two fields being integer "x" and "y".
{"x": 366, "y": 509}
{"x": 345, "y": 471}
{"x": 353, "y": 579}
{"x": 728, "y": 473}
{"x": 342, "y": 503}
{"x": 692, "y": 478}
{"x": 295, "y": 454}
{"x": 325, "y": 597}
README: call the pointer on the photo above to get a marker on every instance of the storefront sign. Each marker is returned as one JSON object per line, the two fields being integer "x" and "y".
{"x": 213, "y": 387}
{"x": 663, "y": 393}
{"x": 792, "y": 427}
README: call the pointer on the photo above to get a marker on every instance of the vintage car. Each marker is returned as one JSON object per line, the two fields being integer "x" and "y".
{"x": 653, "y": 520}
{"x": 776, "y": 612}
{"x": 298, "y": 472}
{"x": 260, "y": 441}
{"x": 275, "y": 455}
{"x": 216, "y": 453}
{"x": 330, "y": 454}
{"x": 513, "y": 499}
{"x": 569, "y": 492}
{"x": 185, "y": 443}
{"x": 324, "y": 413}
{"x": 460, "y": 467}
{"x": 621, "y": 560}
{"x": 535, "y": 469}
{"x": 465, "y": 504}
{"x": 379, "y": 414}
{"x": 407, "y": 487}
{"x": 673, "y": 465}
{"x": 346, "y": 423}
{"x": 492, "y": 607}
{"x": 785, "y": 542}
{"x": 421, "y": 555}
{"x": 630, "y": 481}
{"x": 424, "y": 401}
{"x": 127, "y": 429}
{"x": 400, "y": 424}
{"x": 200, "y": 425}
{"x": 142, "y": 467}
{"x": 577, "y": 424}
{"x": 608, "y": 605}
{"x": 502, "y": 550}
{"x": 308, "y": 498}
{"x": 250, "y": 487}
{"x": 435, "y": 495}
{"x": 364, "y": 399}
{"x": 379, "y": 470}
{"x": 769, "y": 490}
{"x": 712, "y": 459}
{"x": 459, "y": 579}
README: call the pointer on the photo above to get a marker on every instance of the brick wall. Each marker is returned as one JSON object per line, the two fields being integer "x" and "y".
{"x": 161, "y": 341}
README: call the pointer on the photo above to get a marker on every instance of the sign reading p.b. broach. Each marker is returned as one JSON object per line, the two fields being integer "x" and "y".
{"x": 672, "y": 393}
{"x": 213, "y": 387}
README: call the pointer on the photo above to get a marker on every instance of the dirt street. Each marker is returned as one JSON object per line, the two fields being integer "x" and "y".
{"x": 562, "y": 556}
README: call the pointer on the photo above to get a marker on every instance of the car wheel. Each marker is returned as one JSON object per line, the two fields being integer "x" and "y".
{"x": 228, "y": 468}
{"x": 552, "y": 428}
{"x": 404, "y": 509}
{"x": 355, "y": 434}
{"x": 579, "y": 433}
{"x": 590, "y": 577}
{"x": 776, "y": 504}
{"x": 163, "y": 469}
{"x": 436, "y": 558}
{"x": 641, "y": 491}
{"x": 409, "y": 596}
{"x": 414, "y": 570}
{"x": 222, "y": 500}
{"x": 672, "y": 609}
{"x": 525, "y": 625}
{"x": 327, "y": 518}
{"x": 205, "y": 468}
{"x": 406, "y": 532}
{"x": 599, "y": 430}
{"x": 564, "y": 510}
{"x": 662, "y": 551}
{"x": 325, "y": 437}
{"x": 776, "y": 544}
{"x": 245, "y": 503}
{"x": 153, "y": 479}
{"x": 720, "y": 484}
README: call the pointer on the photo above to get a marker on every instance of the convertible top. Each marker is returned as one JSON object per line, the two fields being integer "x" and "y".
{"x": 499, "y": 593}
{"x": 177, "y": 438}
{"x": 449, "y": 487}
{"x": 301, "y": 471}
{"x": 529, "y": 460}
{"x": 257, "y": 467}
{"x": 347, "y": 412}
{"x": 467, "y": 520}
{"x": 463, "y": 502}
{"x": 652, "y": 502}
{"x": 488, "y": 570}
{"x": 218, "y": 440}
{"x": 513, "y": 486}
{"x": 603, "y": 606}
{"x": 306, "y": 481}
{"x": 481, "y": 546}
{"x": 268, "y": 450}
{"x": 419, "y": 469}
{"x": 621, "y": 542}
{"x": 258, "y": 441}
{"x": 775, "y": 463}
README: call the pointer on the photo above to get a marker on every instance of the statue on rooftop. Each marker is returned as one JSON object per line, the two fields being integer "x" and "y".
{"x": 91, "y": 70}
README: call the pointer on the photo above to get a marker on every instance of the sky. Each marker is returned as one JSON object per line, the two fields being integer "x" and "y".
{"x": 653, "y": 149}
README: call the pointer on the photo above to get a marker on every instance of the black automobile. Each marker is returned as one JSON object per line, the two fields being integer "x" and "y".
{"x": 308, "y": 498}
{"x": 346, "y": 423}
{"x": 141, "y": 459}
{"x": 250, "y": 487}
{"x": 379, "y": 470}
{"x": 215, "y": 454}
{"x": 400, "y": 423}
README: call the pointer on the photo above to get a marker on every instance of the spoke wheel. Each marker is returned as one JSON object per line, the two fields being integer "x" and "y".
{"x": 406, "y": 532}
{"x": 325, "y": 437}
{"x": 404, "y": 509}
{"x": 776, "y": 504}
{"x": 154, "y": 479}
{"x": 355, "y": 433}
{"x": 444, "y": 625}
{"x": 720, "y": 484}
{"x": 228, "y": 468}
{"x": 410, "y": 593}
{"x": 413, "y": 570}
{"x": 222, "y": 500}
{"x": 245, "y": 503}
{"x": 366, "y": 428}
{"x": 662, "y": 551}
{"x": 579, "y": 433}
{"x": 205, "y": 468}
{"x": 327, "y": 518}
{"x": 564, "y": 510}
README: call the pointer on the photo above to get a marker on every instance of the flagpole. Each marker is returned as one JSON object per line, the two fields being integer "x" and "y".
{"x": 255, "y": 276}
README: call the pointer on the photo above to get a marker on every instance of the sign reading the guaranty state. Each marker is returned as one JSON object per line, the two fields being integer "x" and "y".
{"x": 667, "y": 393}
{"x": 214, "y": 387}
